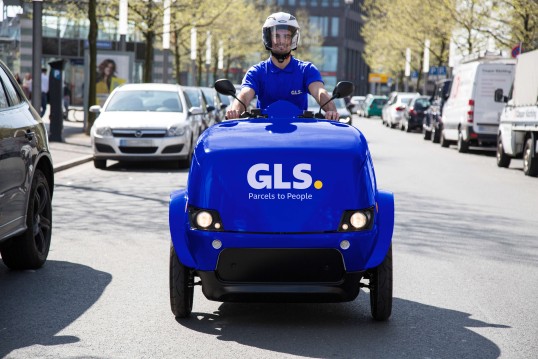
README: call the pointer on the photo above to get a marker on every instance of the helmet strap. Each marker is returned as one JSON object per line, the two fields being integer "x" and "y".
{"x": 281, "y": 57}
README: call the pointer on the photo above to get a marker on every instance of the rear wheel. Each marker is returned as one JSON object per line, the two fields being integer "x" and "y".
{"x": 427, "y": 135}
{"x": 503, "y": 160}
{"x": 444, "y": 142}
{"x": 530, "y": 164}
{"x": 381, "y": 289}
{"x": 99, "y": 164}
{"x": 30, "y": 249}
{"x": 463, "y": 146}
{"x": 181, "y": 281}
{"x": 435, "y": 136}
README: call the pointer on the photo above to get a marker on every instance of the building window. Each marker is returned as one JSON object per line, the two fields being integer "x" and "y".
{"x": 324, "y": 3}
{"x": 336, "y": 3}
{"x": 314, "y": 3}
{"x": 291, "y": 2}
{"x": 335, "y": 23}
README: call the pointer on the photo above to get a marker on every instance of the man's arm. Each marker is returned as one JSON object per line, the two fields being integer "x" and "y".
{"x": 245, "y": 95}
{"x": 321, "y": 95}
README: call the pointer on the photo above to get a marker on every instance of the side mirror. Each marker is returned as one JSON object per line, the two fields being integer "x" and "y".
{"x": 499, "y": 95}
{"x": 95, "y": 109}
{"x": 196, "y": 110}
{"x": 343, "y": 89}
{"x": 210, "y": 108}
{"x": 225, "y": 87}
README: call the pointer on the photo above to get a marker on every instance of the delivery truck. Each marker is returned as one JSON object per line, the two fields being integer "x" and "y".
{"x": 518, "y": 127}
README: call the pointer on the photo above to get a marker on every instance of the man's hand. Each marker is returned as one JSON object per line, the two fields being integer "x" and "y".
{"x": 332, "y": 115}
{"x": 232, "y": 114}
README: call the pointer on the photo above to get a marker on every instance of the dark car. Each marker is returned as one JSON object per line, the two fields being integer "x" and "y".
{"x": 218, "y": 101}
{"x": 432, "y": 124}
{"x": 197, "y": 98}
{"x": 414, "y": 114}
{"x": 26, "y": 179}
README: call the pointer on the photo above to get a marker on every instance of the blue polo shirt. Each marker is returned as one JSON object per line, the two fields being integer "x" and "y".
{"x": 290, "y": 84}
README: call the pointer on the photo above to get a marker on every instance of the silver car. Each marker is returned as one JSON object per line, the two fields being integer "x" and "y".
{"x": 145, "y": 122}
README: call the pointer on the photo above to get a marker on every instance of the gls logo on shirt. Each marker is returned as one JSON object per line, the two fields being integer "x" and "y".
{"x": 273, "y": 179}
{"x": 296, "y": 92}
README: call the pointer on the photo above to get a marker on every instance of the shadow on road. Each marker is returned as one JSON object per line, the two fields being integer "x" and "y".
{"x": 36, "y": 305}
{"x": 346, "y": 330}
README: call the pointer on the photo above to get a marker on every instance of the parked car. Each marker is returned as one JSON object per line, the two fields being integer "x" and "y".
{"x": 357, "y": 102}
{"x": 214, "y": 99}
{"x": 393, "y": 111}
{"x": 414, "y": 114}
{"x": 374, "y": 105}
{"x": 197, "y": 98}
{"x": 343, "y": 111}
{"x": 433, "y": 125}
{"x": 27, "y": 179}
{"x": 471, "y": 115}
{"x": 146, "y": 122}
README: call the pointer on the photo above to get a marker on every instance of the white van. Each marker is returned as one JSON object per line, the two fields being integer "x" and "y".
{"x": 471, "y": 115}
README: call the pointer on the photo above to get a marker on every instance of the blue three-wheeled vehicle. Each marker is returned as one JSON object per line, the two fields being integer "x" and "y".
{"x": 281, "y": 206}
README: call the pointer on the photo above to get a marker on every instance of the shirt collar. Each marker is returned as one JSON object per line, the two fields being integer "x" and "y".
{"x": 289, "y": 68}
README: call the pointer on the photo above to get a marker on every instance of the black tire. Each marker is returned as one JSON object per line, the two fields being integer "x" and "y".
{"x": 463, "y": 146}
{"x": 181, "y": 286}
{"x": 503, "y": 160}
{"x": 530, "y": 164}
{"x": 99, "y": 164}
{"x": 381, "y": 289}
{"x": 427, "y": 135}
{"x": 186, "y": 163}
{"x": 30, "y": 249}
{"x": 443, "y": 141}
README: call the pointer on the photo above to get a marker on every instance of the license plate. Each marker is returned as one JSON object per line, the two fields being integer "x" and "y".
{"x": 136, "y": 143}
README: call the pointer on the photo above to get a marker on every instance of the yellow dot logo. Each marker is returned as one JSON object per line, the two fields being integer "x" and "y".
{"x": 318, "y": 184}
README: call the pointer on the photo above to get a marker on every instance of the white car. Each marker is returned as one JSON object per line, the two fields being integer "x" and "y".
{"x": 345, "y": 115}
{"x": 145, "y": 122}
{"x": 394, "y": 109}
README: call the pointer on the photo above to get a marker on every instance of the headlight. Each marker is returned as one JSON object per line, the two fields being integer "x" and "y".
{"x": 357, "y": 220}
{"x": 104, "y": 131}
{"x": 205, "y": 219}
{"x": 177, "y": 130}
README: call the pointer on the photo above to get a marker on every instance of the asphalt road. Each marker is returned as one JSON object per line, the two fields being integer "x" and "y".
{"x": 465, "y": 267}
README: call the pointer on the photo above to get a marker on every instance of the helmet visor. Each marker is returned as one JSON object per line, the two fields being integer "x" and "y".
{"x": 283, "y": 38}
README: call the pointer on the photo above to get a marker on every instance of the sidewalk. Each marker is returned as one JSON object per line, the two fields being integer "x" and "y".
{"x": 76, "y": 148}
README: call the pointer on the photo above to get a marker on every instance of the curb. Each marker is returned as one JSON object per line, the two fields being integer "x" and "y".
{"x": 72, "y": 163}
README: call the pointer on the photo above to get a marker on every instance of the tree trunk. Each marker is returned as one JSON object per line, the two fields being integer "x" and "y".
{"x": 92, "y": 41}
{"x": 148, "y": 56}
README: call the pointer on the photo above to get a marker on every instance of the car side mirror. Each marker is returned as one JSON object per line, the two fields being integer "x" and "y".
{"x": 95, "y": 109}
{"x": 210, "y": 108}
{"x": 223, "y": 106}
{"x": 498, "y": 95}
{"x": 196, "y": 110}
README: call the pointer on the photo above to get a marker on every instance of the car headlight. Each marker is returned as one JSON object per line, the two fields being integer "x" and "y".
{"x": 205, "y": 219}
{"x": 176, "y": 130}
{"x": 104, "y": 131}
{"x": 357, "y": 220}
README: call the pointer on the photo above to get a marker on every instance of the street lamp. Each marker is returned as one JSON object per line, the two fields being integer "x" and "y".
{"x": 122, "y": 28}
{"x": 166, "y": 39}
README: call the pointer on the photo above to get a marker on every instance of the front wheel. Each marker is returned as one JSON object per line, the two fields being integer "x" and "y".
{"x": 181, "y": 281}
{"x": 381, "y": 289}
{"x": 30, "y": 249}
{"x": 530, "y": 164}
{"x": 427, "y": 135}
{"x": 503, "y": 160}
{"x": 99, "y": 164}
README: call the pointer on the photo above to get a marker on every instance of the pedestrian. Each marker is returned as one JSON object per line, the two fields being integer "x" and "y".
{"x": 282, "y": 77}
{"x": 44, "y": 90}
{"x": 27, "y": 85}
{"x": 18, "y": 78}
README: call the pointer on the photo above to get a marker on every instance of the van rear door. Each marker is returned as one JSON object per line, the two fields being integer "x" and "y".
{"x": 486, "y": 111}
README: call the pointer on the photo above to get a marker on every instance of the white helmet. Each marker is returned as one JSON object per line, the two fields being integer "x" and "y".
{"x": 278, "y": 21}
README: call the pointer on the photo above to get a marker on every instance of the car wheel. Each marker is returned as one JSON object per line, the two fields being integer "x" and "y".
{"x": 435, "y": 136}
{"x": 186, "y": 163}
{"x": 530, "y": 164}
{"x": 181, "y": 286}
{"x": 381, "y": 289}
{"x": 463, "y": 146}
{"x": 30, "y": 249}
{"x": 427, "y": 135}
{"x": 99, "y": 164}
{"x": 503, "y": 160}
{"x": 444, "y": 142}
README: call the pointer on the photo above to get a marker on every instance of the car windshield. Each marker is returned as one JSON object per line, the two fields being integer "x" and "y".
{"x": 145, "y": 100}
{"x": 422, "y": 103}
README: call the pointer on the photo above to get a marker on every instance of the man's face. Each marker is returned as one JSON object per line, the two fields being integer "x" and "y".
{"x": 281, "y": 41}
